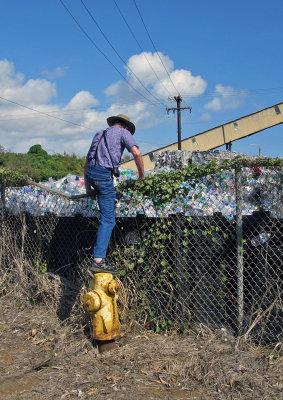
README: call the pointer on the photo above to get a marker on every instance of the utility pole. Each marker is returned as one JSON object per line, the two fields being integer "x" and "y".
{"x": 178, "y": 100}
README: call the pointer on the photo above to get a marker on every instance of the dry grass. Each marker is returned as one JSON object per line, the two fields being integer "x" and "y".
{"x": 61, "y": 362}
{"x": 45, "y": 357}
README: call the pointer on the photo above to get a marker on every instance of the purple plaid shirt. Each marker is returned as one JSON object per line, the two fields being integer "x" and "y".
{"x": 117, "y": 140}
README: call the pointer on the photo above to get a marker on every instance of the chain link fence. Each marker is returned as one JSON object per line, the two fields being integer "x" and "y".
{"x": 212, "y": 255}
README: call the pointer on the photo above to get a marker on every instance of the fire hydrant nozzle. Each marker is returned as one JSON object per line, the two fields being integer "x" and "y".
{"x": 92, "y": 301}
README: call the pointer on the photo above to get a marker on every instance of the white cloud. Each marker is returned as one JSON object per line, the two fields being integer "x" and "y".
{"x": 149, "y": 67}
{"x": 226, "y": 98}
{"x": 57, "y": 72}
{"x": 13, "y": 87}
{"x": 205, "y": 117}
{"x": 21, "y": 128}
{"x": 8, "y": 78}
{"x": 156, "y": 72}
{"x": 184, "y": 82}
{"x": 214, "y": 105}
{"x": 145, "y": 113}
{"x": 82, "y": 99}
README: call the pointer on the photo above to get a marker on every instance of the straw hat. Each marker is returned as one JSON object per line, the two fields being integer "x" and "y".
{"x": 123, "y": 118}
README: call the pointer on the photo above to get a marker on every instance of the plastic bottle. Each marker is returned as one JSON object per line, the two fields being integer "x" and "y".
{"x": 260, "y": 239}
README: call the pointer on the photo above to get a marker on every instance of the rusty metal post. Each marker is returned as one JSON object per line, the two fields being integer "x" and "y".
{"x": 2, "y": 227}
{"x": 2, "y": 189}
{"x": 239, "y": 249}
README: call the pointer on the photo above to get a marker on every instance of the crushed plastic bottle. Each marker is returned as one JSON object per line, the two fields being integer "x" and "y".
{"x": 202, "y": 196}
{"x": 260, "y": 239}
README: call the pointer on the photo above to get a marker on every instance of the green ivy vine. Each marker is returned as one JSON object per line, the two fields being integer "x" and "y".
{"x": 11, "y": 178}
{"x": 162, "y": 187}
{"x": 148, "y": 268}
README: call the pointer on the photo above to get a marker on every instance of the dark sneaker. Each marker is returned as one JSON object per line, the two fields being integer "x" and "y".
{"x": 101, "y": 266}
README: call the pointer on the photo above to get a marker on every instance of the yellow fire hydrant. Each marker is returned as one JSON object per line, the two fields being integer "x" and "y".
{"x": 101, "y": 303}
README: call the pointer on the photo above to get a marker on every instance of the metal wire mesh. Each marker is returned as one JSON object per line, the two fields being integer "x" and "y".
{"x": 213, "y": 255}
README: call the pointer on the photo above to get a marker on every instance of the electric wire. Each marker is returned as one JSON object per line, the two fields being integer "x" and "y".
{"x": 139, "y": 45}
{"x": 116, "y": 52}
{"x": 234, "y": 92}
{"x": 44, "y": 113}
{"x": 58, "y": 112}
{"x": 104, "y": 55}
{"x": 155, "y": 47}
{"x": 27, "y": 116}
{"x": 159, "y": 56}
{"x": 51, "y": 116}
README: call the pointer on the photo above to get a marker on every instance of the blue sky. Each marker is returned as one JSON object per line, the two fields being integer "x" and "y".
{"x": 224, "y": 57}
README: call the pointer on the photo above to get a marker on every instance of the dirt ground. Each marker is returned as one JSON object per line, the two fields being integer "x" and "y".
{"x": 42, "y": 358}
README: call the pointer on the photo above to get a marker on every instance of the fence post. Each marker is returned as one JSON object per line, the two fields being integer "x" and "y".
{"x": 2, "y": 189}
{"x": 239, "y": 246}
{"x": 2, "y": 196}
{"x": 179, "y": 262}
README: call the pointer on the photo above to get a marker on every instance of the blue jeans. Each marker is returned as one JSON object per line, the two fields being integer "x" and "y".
{"x": 101, "y": 180}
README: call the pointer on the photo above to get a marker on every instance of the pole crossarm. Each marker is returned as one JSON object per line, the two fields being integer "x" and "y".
{"x": 178, "y": 108}
{"x": 178, "y": 100}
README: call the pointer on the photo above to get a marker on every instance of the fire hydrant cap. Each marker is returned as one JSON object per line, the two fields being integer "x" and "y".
{"x": 92, "y": 301}
{"x": 113, "y": 286}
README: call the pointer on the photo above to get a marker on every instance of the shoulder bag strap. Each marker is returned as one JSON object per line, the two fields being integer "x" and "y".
{"x": 95, "y": 154}
{"x": 103, "y": 135}
{"x": 108, "y": 149}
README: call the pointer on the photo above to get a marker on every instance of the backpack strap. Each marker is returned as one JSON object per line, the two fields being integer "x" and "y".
{"x": 108, "y": 149}
{"x": 106, "y": 145}
{"x": 95, "y": 154}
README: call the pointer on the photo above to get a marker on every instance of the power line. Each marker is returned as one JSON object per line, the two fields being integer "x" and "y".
{"x": 58, "y": 112}
{"x": 155, "y": 47}
{"x": 235, "y": 92}
{"x": 143, "y": 52}
{"x": 98, "y": 49}
{"x": 44, "y": 113}
{"x": 116, "y": 52}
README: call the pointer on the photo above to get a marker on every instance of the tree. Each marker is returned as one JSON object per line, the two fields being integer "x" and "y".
{"x": 39, "y": 165}
{"x": 37, "y": 149}
{"x": 2, "y": 149}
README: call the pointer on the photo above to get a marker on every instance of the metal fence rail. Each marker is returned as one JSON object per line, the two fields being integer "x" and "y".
{"x": 211, "y": 256}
